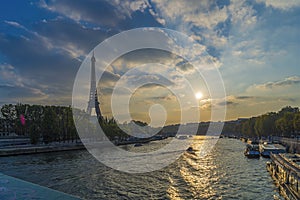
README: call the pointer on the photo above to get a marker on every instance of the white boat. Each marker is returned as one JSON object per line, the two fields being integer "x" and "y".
{"x": 182, "y": 137}
{"x": 267, "y": 148}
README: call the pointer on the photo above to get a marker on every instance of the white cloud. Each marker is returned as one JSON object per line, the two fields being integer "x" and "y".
{"x": 289, "y": 81}
{"x": 206, "y": 15}
{"x": 281, "y": 4}
{"x": 13, "y": 23}
{"x": 208, "y": 20}
{"x": 215, "y": 40}
{"x": 278, "y": 93}
{"x": 129, "y": 6}
{"x": 107, "y": 12}
{"x": 13, "y": 87}
{"x": 201, "y": 20}
{"x": 242, "y": 15}
{"x": 8, "y": 76}
{"x": 156, "y": 16}
{"x": 191, "y": 13}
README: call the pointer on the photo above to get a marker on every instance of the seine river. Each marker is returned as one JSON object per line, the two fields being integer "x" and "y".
{"x": 223, "y": 174}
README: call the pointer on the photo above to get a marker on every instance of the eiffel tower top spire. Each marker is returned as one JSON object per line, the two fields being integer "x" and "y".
{"x": 93, "y": 59}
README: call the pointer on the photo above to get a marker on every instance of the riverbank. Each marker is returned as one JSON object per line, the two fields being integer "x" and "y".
{"x": 33, "y": 149}
{"x": 292, "y": 144}
{"x": 139, "y": 141}
{"x": 14, "y": 150}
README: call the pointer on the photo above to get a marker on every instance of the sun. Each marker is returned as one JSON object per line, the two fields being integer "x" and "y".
{"x": 198, "y": 95}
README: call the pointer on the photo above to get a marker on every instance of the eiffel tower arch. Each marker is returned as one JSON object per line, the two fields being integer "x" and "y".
{"x": 93, "y": 103}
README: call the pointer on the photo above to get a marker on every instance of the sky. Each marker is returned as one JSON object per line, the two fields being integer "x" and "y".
{"x": 254, "y": 44}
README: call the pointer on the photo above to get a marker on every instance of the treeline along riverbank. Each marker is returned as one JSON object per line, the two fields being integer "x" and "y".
{"x": 284, "y": 123}
{"x": 49, "y": 124}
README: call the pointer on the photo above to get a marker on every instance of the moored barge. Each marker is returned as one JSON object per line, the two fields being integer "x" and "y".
{"x": 266, "y": 149}
{"x": 285, "y": 170}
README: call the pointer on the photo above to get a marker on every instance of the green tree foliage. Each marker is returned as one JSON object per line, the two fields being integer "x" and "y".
{"x": 285, "y": 123}
{"x": 265, "y": 124}
{"x": 296, "y": 122}
{"x": 42, "y": 123}
{"x": 248, "y": 127}
{"x": 9, "y": 116}
{"x": 55, "y": 123}
{"x": 52, "y": 123}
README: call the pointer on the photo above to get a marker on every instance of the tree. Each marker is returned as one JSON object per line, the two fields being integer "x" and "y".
{"x": 34, "y": 118}
{"x": 49, "y": 125}
{"x": 21, "y": 124}
{"x": 285, "y": 124}
{"x": 265, "y": 124}
{"x": 9, "y": 115}
{"x": 288, "y": 109}
{"x": 296, "y": 123}
{"x": 248, "y": 127}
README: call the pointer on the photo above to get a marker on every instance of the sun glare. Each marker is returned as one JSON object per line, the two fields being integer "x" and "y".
{"x": 198, "y": 95}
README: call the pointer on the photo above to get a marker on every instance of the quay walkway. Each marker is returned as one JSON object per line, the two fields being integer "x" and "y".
{"x": 285, "y": 170}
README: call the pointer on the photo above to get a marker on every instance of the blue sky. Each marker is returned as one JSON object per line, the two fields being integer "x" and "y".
{"x": 255, "y": 45}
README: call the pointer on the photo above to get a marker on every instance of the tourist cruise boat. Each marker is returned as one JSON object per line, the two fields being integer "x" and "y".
{"x": 285, "y": 170}
{"x": 267, "y": 148}
{"x": 252, "y": 151}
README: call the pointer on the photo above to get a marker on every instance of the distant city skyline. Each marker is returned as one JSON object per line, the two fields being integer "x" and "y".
{"x": 254, "y": 44}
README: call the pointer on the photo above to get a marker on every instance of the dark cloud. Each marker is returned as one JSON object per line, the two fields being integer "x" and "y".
{"x": 105, "y": 90}
{"x": 108, "y": 77}
{"x": 148, "y": 55}
{"x": 152, "y": 85}
{"x": 97, "y": 12}
{"x": 34, "y": 58}
{"x": 110, "y": 14}
{"x": 19, "y": 93}
{"x": 107, "y": 82}
{"x": 184, "y": 66}
{"x": 292, "y": 100}
{"x": 49, "y": 69}
{"x": 227, "y": 103}
{"x": 164, "y": 98}
{"x": 150, "y": 81}
{"x": 63, "y": 33}
{"x": 244, "y": 97}
{"x": 45, "y": 54}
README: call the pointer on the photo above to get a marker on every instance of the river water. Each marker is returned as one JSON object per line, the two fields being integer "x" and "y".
{"x": 224, "y": 173}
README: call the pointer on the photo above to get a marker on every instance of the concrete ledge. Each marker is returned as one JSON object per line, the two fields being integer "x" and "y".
{"x": 13, "y": 188}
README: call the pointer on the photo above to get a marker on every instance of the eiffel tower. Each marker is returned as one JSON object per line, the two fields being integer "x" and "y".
{"x": 93, "y": 97}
